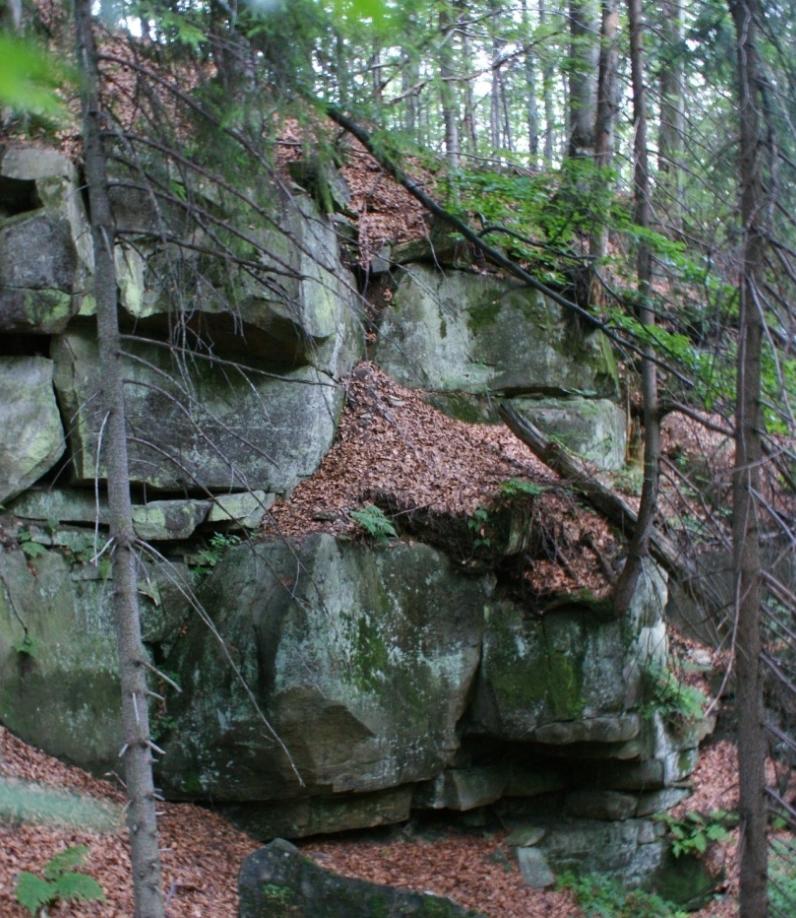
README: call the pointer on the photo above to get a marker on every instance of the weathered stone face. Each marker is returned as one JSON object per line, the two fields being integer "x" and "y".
{"x": 216, "y": 430}
{"x": 45, "y": 245}
{"x": 59, "y": 689}
{"x": 475, "y": 334}
{"x": 278, "y": 880}
{"x": 569, "y": 676}
{"x": 31, "y": 435}
{"x": 294, "y": 306}
{"x": 362, "y": 661}
{"x": 594, "y": 428}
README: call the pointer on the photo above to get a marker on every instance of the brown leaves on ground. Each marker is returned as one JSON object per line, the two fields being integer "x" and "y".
{"x": 392, "y": 442}
{"x": 201, "y": 852}
{"x": 479, "y": 873}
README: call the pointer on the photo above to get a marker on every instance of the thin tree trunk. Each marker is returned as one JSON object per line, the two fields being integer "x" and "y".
{"x": 746, "y": 478}
{"x": 341, "y": 66}
{"x": 136, "y": 754}
{"x": 670, "y": 133}
{"x": 547, "y": 94}
{"x": 450, "y": 108}
{"x": 638, "y": 549}
{"x": 582, "y": 77}
{"x": 470, "y": 129}
{"x": 604, "y": 134}
{"x": 531, "y": 104}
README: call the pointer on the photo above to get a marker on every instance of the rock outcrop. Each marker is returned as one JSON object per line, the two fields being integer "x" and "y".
{"x": 326, "y": 684}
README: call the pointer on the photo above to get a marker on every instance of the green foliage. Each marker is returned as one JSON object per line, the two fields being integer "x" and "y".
{"x": 29, "y": 77}
{"x": 695, "y": 832}
{"x": 679, "y": 703}
{"x": 600, "y": 895}
{"x": 374, "y": 522}
{"x": 60, "y": 882}
{"x": 782, "y": 876}
{"x": 517, "y": 487}
{"x": 478, "y": 524}
{"x": 31, "y": 549}
{"x": 26, "y": 646}
{"x": 206, "y": 559}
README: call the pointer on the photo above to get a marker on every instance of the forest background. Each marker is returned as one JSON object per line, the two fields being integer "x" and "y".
{"x": 636, "y": 161}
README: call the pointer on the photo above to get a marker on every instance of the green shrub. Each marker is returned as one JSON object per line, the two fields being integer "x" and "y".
{"x": 679, "y": 703}
{"x": 782, "y": 877}
{"x": 600, "y": 895}
{"x": 517, "y": 487}
{"x": 695, "y": 832}
{"x": 374, "y": 522}
{"x": 59, "y": 883}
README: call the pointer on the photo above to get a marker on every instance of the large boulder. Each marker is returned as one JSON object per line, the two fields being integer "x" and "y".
{"x": 463, "y": 332}
{"x": 59, "y": 686}
{"x": 31, "y": 435}
{"x": 292, "y": 303}
{"x": 594, "y": 428}
{"x": 46, "y": 255}
{"x": 279, "y": 880}
{"x": 199, "y": 427}
{"x": 573, "y": 674}
{"x": 362, "y": 660}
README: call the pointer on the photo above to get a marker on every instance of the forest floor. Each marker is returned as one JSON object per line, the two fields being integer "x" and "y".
{"x": 202, "y": 853}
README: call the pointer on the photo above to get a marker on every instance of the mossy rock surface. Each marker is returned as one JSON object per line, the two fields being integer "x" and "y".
{"x": 222, "y": 432}
{"x": 458, "y": 332}
{"x": 278, "y": 880}
{"x": 361, "y": 658}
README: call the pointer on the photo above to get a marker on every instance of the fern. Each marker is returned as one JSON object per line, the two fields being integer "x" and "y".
{"x": 59, "y": 883}
{"x": 374, "y": 522}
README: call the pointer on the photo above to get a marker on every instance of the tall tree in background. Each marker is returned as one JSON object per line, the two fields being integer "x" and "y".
{"x": 604, "y": 135}
{"x": 448, "y": 95}
{"x": 672, "y": 115}
{"x": 638, "y": 550}
{"x": 747, "y": 471}
{"x": 137, "y": 750}
{"x": 582, "y": 71}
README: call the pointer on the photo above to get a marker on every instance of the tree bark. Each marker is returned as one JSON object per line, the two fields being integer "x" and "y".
{"x": 670, "y": 132}
{"x": 531, "y": 105}
{"x": 583, "y": 51}
{"x": 450, "y": 108}
{"x": 604, "y": 134}
{"x": 746, "y": 476}
{"x": 639, "y": 544}
{"x": 547, "y": 99}
{"x": 136, "y": 752}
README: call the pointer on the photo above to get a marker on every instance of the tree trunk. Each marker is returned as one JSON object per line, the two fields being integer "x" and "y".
{"x": 470, "y": 130}
{"x": 450, "y": 108}
{"x": 531, "y": 105}
{"x": 582, "y": 72}
{"x": 639, "y": 544}
{"x": 746, "y": 476}
{"x": 604, "y": 134}
{"x": 136, "y": 752}
{"x": 547, "y": 94}
{"x": 670, "y": 132}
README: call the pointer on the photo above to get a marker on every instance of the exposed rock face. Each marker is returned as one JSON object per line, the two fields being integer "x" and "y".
{"x": 59, "y": 684}
{"x": 362, "y": 660}
{"x": 298, "y": 307}
{"x": 569, "y": 677}
{"x": 45, "y": 243}
{"x": 31, "y": 435}
{"x": 278, "y": 880}
{"x": 397, "y": 679}
{"x": 456, "y": 331}
{"x": 470, "y": 338}
{"x": 218, "y": 432}
{"x": 594, "y": 428}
